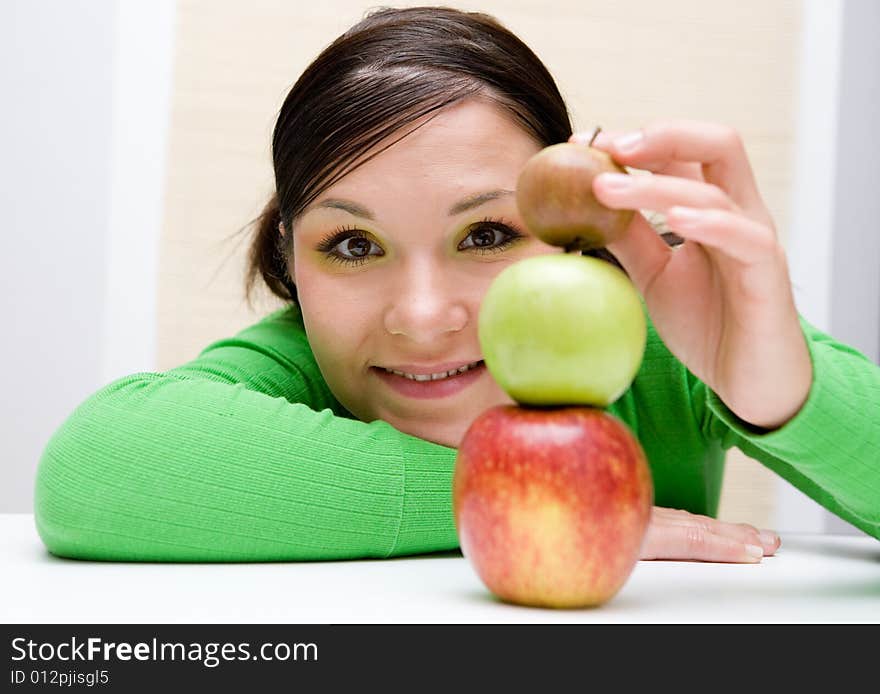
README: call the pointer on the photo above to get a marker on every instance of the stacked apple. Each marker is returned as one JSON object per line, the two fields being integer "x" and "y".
{"x": 552, "y": 496}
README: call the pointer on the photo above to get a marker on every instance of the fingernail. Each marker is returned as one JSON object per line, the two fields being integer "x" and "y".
{"x": 615, "y": 181}
{"x": 629, "y": 142}
{"x": 769, "y": 538}
{"x": 754, "y": 552}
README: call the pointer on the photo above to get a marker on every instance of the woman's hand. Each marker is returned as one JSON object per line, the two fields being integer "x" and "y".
{"x": 680, "y": 535}
{"x": 722, "y": 301}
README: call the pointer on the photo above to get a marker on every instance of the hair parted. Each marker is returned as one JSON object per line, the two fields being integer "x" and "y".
{"x": 392, "y": 68}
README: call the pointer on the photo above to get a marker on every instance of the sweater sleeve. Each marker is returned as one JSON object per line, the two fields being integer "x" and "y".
{"x": 240, "y": 455}
{"x": 830, "y": 450}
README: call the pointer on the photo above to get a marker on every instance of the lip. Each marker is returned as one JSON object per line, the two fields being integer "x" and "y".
{"x": 429, "y": 389}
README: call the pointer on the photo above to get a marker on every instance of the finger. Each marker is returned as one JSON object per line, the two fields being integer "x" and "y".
{"x": 731, "y": 233}
{"x": 693, "y": 542}
{"x": 770, "y": 540}
{"x": 744, "y": 532}
{"x": 748, "y": 534}
{"x": 657, "y": 192}
{"x": 602, "y": 140}
{"x": 684, "y": 169}
{"x": 718, "y": 148}
{"x": 642, "y": 252}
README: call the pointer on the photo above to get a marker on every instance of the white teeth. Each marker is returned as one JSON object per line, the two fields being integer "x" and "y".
{"x": 437, "y": 376}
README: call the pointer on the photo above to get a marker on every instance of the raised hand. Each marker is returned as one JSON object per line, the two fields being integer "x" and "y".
{"x": 722, "y": 301}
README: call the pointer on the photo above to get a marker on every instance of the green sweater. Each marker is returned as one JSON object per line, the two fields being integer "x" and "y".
{"x": 243, "y": 454}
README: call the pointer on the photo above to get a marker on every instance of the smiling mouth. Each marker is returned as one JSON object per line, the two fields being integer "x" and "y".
{"x": 442, "y": 375}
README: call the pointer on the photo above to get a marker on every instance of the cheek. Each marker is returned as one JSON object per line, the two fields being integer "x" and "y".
{"x": 337, "y": 319}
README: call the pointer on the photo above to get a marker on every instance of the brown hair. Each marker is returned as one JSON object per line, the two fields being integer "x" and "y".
{"x": 390, "y": 69}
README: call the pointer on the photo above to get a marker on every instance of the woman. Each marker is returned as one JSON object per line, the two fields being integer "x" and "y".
{"x": 315, "y": 433}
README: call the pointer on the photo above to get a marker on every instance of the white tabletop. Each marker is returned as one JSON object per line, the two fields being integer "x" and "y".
{"x": 812, "y": 578}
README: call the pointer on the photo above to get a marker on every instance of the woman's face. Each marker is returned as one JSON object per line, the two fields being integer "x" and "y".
{"x": 392, "y": 261}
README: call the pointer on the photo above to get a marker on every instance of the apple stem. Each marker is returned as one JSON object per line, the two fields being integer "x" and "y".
{"x": 595, "y": 134}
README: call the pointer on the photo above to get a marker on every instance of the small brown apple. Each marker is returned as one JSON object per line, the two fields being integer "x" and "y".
{"x": 554, "y": 194}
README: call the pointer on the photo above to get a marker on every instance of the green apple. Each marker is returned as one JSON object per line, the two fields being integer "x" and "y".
{"x": 562, "y": 329}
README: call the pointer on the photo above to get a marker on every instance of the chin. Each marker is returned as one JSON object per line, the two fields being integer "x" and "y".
{"x": 441, "y": 422}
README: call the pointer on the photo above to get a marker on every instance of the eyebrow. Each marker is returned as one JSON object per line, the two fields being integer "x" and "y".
{"x": 464, "y": 205}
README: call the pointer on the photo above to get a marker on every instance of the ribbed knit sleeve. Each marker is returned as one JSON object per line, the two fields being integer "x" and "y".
{"x": 241, "y": 455}
{"x": 830, "y": 450}
{"x": 244, "y": 454}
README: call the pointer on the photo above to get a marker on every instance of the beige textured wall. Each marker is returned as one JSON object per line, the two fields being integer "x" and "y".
{"x": 619, "y": 64}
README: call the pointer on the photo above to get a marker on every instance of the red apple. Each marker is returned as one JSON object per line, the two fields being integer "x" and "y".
{"x": 551, "y": 504}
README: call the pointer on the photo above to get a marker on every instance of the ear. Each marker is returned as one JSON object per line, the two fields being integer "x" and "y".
{"x": 282, "y": 231}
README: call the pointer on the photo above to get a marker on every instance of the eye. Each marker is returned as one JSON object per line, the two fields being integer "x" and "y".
{"x": 347, "y": 245}
{"x": 490, "y": 235}
{"x": 356, "y": 247}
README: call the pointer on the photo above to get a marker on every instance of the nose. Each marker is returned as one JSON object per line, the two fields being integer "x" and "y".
{"x": 426, "y": 306}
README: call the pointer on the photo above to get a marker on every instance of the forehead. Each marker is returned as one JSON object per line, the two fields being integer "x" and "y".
{"x": 471, "y": 143}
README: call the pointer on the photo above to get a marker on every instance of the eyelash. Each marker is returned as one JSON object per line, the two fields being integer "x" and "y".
{"x": 343, "y": 233}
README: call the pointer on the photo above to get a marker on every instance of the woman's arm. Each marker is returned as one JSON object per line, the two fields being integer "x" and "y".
{"x": 214, "y": 462}
{"x": 830, "y": 450}
{"x": 722, "y": 302}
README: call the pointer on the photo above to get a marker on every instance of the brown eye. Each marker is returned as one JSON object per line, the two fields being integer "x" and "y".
{"x": 489, "y": 236}
{"x": 485, "y": 237}
{"x": 357, "y": 247}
